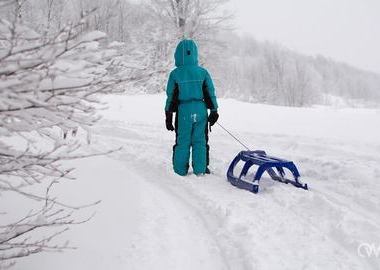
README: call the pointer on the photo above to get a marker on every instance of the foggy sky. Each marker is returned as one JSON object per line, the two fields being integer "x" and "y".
{"x": 346, "y": 30}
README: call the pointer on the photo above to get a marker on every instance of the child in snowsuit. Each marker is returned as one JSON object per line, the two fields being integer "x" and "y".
{"x": 190, "y": 92}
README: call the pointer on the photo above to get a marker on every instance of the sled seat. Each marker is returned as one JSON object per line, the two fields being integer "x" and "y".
{"x": 273, "y": 165}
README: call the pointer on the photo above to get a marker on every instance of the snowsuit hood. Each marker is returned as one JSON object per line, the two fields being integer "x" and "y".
{"x": 186, "y": 53}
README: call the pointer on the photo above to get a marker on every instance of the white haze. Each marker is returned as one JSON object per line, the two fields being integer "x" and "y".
{"x": 346, "y": 30}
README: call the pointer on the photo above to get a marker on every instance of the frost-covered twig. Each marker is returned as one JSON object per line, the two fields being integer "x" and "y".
{"x": 49, "y": 84}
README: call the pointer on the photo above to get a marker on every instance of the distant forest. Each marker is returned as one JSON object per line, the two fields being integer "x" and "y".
{"x": 242, "y": 67}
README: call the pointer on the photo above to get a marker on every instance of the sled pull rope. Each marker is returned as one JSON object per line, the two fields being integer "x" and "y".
{"x": 236, "y": 139}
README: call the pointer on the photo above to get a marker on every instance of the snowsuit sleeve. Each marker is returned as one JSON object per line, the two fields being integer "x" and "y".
{"x": 171, "y": 104}
{"x": 209, "y": 93}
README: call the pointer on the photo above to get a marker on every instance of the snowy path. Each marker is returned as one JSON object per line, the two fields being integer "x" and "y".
{"x": 168, "y": 231}
{"x": 151, "y": 218}
{"x": 272, "y": 230}
{"x": 183, "y": 232}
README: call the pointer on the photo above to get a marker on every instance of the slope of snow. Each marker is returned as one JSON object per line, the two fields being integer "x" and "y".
{"x": 151, "y": 218}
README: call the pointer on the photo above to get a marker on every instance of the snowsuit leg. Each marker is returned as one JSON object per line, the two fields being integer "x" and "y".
{"x": 192, "y": 119}
{"x": 198, "y": 142}
{"x": 207, "y": 147}
{"x": 182, "y": 147}
{"x": 176, "y": 135}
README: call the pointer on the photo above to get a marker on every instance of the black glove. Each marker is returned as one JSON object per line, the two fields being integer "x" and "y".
{"x": 169, "y": 121}
{"x": 213, "y": 117}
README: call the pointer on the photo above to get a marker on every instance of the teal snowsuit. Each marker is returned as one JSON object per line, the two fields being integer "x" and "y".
{"x": 190, "y": 92}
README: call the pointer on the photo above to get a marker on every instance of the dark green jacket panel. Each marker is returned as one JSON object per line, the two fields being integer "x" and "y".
{"x": 209, "y": 92}
{"x": 172, "y": 92}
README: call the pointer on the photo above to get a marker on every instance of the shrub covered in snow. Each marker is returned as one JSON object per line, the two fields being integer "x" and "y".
{"x": 48, "y": 91}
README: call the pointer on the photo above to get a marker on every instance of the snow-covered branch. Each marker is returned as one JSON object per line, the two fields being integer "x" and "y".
{"x": 50, "y": 84}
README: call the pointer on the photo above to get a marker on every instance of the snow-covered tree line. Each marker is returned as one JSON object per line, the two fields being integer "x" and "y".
{"x": 242, "y": 67}
{"x": 149, "y": 30}
{"x": 269, "y": 73}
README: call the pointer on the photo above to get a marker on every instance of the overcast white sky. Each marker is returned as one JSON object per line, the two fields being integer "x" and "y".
{"x": 346, "y": 30}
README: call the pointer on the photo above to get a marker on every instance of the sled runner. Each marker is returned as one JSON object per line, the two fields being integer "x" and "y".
{"x": 275, "y": 167}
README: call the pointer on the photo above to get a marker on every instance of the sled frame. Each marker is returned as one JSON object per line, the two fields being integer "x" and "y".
{"x": 273, "y": 165}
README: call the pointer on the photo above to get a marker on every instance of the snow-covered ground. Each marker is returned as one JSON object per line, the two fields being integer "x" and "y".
{"x": 151, "y": 218}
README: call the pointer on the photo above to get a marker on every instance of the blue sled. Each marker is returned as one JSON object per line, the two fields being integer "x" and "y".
{"x": 265, "y": 163}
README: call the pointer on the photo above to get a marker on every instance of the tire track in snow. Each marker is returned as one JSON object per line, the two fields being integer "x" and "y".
{"x": 230, "y": 251}
{"x": 170, "y": 235}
